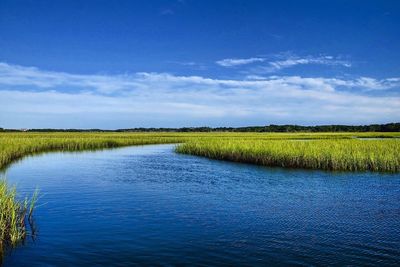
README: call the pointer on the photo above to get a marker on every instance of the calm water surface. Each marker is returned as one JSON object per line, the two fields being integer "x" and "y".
{"x": 148, "y": 205}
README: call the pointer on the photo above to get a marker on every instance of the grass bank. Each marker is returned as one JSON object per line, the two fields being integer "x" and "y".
{"x": 331, "y": 151}
{"x": 14, "y": 146}
{"x": 342, "y": 154}
{"x": 15, "y": 216}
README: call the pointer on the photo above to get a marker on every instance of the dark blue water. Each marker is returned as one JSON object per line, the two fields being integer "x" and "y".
{"x": 148, "y": 205}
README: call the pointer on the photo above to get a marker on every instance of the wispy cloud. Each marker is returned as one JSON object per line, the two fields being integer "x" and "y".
{"x": 232, "y": 62}
{"x": 322, "y": 60}
{"x": 14, "y": 75}
{"x": 268, "y": 66}
{"x": 30, "y": 76}
{"x": 187, "y": 63}
{"x": 190, "y": 64}
{"x": 171, "y": 8}
{"x": 154, "y": 98}
{"x": 167, "y": 11}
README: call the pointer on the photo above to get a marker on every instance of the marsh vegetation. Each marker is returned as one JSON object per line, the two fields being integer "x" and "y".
{"x": 333, "y": 154}
{"x": 16, "y": 221}
{"x": 331, "y": 151}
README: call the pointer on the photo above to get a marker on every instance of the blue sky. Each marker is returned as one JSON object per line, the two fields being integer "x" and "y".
{"x": 121, "y": 64}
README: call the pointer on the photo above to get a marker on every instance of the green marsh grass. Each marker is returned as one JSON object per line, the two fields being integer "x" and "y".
{"x": 15, "y": 216}
{"x": 327, "y": 154}
{"x": 331, "y": 151}
{"x": 14, "y": 146}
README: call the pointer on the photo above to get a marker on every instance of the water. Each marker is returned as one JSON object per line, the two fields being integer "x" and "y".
{"x": 148, "y": 205}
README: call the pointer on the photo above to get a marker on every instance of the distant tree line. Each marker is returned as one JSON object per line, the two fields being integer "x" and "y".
{"x": 389, "y": 127}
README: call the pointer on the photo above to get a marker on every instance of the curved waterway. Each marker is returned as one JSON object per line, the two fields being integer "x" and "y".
{"x": 148, "y": 205}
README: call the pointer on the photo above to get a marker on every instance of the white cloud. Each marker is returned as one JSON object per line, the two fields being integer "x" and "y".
{"x": 17, "y": 75}
{"x": 232, "y": 62}
{"x": 31, "y": 94}
{"x": 167, "y": 11}
{"x": 13, "y": 75}
{"x": 288, "y": 62}
{"x": 293, "y": 61}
